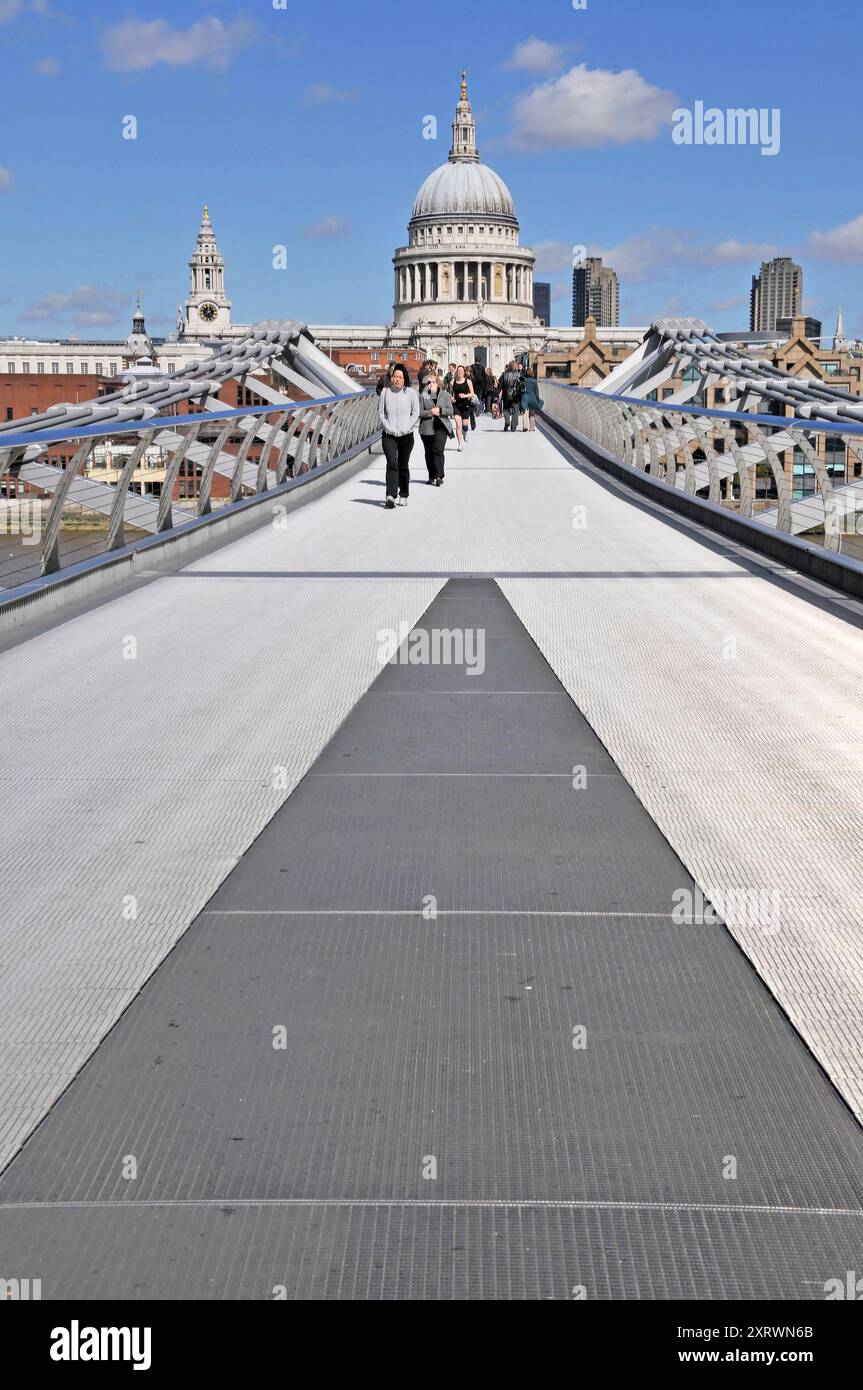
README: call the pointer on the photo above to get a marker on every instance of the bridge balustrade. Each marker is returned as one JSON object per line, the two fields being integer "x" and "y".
{"x": 723, "y": 453}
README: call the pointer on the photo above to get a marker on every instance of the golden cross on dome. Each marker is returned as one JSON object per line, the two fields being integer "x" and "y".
{"x": 464, "y": 84}
{"x": 206, "y": 213}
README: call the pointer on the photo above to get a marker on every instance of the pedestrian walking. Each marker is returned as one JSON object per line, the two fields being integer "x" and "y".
{"x": 461, "y": 392}
{"x": 436, "y": 427}
{"x": 531, "y": 401}
{"x": 384, "y": 378}
{"x": 474, "y": 399}
{"x": 399, "y": 411}
{"x": 510, "y": 385}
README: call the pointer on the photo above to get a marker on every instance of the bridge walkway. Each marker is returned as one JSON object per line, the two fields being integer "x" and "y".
{"x": 440, "y": 1042}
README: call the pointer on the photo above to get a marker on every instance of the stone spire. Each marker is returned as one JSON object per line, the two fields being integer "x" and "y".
{"x": 463, "y": 128}
{"x": 839, "y": 339}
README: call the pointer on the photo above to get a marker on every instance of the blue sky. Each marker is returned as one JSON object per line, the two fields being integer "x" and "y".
{"x": 303, "y": 126}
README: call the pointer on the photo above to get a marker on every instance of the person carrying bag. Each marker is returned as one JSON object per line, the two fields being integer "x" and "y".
{"x": 436, "y": 426}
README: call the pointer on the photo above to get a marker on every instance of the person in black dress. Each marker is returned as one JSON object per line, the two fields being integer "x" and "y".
{"x": 461, "y": 392}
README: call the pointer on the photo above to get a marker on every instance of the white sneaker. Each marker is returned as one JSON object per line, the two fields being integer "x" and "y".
{"x": 391, "y": 501}
{"x": 402, "y": 502}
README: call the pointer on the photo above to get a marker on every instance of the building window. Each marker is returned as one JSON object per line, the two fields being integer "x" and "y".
{"x": 55, "y": 368}
{"x": 171, "y": 368}
{"x": 98, "y": 368}
{"x": 113, "y": 368}
{"x": 40, "y": 368}
{"x": 70, "y": 368}
{"x": 25, "y": 367}
{"x": 9, "y": 415}
{"x": 11, "y": 366}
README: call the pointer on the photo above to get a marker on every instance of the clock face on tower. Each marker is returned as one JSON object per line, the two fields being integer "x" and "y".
{"x": 208, "y": 312}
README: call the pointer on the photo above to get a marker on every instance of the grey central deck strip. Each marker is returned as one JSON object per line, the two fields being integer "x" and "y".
{"x": 451, "y": 1037}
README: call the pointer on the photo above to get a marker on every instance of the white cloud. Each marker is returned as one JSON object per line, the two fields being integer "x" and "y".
{"x": 647, "y": 255}
{"x": 5, "y": 180}
{"x": 552, "y": 256}
{"x": 639, "y": 258}
{"x": 88, "y": 305}
{"x": 730, "y": 252}
{"x": 134, "y": 45}
{"x": 843, "y": 243}
{"x": 11, "y": 9}
{"x": 328, "y": 227}
{"x": 587, "y": 107}
{"x": 735, "y": 302}
{"x": 325, "y": 94}
{"x": 47, "y": 67}
{"x": 536, "y": 55}
{"x": 642, "y": 257}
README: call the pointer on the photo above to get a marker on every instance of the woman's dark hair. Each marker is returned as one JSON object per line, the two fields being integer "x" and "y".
{"x": 400, "y": 367}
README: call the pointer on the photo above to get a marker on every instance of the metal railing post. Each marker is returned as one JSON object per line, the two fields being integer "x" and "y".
{"x": 116, "y": 532}
{"x": 51, "y": 536}
{"x": 204, "y": 503}
{"x": 165, "y": 518}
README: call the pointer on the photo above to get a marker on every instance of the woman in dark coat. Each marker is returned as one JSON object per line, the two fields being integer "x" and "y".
{"x": 435, "y": 408}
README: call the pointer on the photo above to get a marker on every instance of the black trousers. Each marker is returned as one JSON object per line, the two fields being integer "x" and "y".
{"x": 511, "y": 412}
{"x": 434, "y": 445}
{"x": 397, "y": 450}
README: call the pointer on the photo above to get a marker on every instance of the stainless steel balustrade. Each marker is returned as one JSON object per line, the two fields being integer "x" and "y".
{"x": 294, "y": 438}
{"x": 662, "y": 440}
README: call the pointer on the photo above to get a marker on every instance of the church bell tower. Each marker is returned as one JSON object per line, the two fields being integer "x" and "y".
{"x": 208, "y": 311}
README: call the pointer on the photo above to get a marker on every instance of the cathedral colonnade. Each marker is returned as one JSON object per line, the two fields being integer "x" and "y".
{"x": 464, "y": 280}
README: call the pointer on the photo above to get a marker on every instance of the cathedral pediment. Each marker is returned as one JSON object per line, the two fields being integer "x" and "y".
{"x": 482, "y": 325}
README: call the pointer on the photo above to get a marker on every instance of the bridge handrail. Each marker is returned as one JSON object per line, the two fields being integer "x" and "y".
{"x": 678, "y": 444}
{"x": 118, "y": 426}
{"x": 295, "y": 437}
{"x": 744, "y": 416}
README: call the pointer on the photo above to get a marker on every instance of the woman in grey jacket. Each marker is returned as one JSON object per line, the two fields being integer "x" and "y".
{"x": 399, "y": 411}
{"x": 435, "y": 408}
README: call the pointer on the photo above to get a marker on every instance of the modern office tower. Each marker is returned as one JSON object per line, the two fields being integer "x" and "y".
{"x": 542, "y": 301}
{"x": 776, "y": 293}
{"x": 596, "y": 293}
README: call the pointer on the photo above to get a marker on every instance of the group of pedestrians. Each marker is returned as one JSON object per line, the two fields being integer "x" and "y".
{"x": 445, "y": 406}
